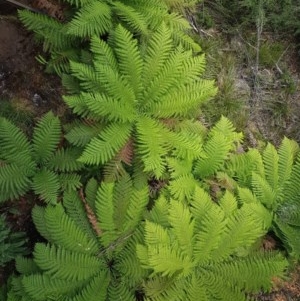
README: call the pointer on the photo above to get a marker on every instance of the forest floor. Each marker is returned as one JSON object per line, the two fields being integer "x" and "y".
{"x": 264, "y": 105}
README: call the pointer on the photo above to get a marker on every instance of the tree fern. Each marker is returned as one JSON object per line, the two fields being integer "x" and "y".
{"x": 132, "y": 105}
{"x": 78, "y": 263}
{"x": 206, "y": 259}
{"x": 40, "y": 164}
{"x": 272, "y": 178}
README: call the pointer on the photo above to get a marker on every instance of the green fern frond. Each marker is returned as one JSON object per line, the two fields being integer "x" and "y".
{"x": 52, "y": 31}
{"x": 46, "y": 184}
{"x": 109, "y": 108}
{"x": 81, "y": 133}
{"x": 138, "y": 201}
{"x": 60, "y": 263}
{"x": 270, "y": 159}
{"x": 135, "y": 20}
{"x": 105, "y": 213}
{"x": 183, "y": 187}
{"x": 69, "y": 182}
{"x": 118, "y": 290}
{"x": 151, "y": 144}
{"x": 216, "y": 150}
{"x": 129, "y": 58}
{"x": 26, "y": 266}
{"x": 94, "y": 18}
{"x": 182, "y": 224}
{"x": 157, "y": 52}
{"x": 159, "y": 213}
{"x": 76, "y": 210}
{"x": 191, "y": 96}
{"x": 42, "y": 287}
{"x": 46, "y": 137}
{"x": 109, "y": 141}
{"x": 14, "y": 146}
{"x": 65, "y": 232}
{"x": 290, "y": 237}
{"x": 228, "y": 203}
{"x": 64, "y": 160}
{"x": 91, "y": 189}
{"x": 263, "y": 191}
{"x": 95, "y": 290}
{"x": 103, "y": 54}
{"x": 89, "y": 81}
{"x": 14, "y": 181}
{"x": 287, "y": 152}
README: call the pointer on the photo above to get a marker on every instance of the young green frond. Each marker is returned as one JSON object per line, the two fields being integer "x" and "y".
{"x": 94, "y": 18}
{"x": 103, "y": 148}
{"x": 46, "y": 184}
{"x": 46, "y": 137}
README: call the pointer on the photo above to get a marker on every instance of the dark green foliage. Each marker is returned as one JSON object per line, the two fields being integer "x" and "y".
{"x": 40, "y": 164}
{"x": 140, "y": 94}
{"x": 12, "y": 243}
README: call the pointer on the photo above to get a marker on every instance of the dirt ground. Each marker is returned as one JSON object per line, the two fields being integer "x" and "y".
{"x": 24, "y": 83}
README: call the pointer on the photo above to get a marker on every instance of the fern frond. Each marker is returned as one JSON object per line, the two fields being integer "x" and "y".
{"x": 182, "y": 100}
{"x": 26, "y": 266}
{"x": 81, "y": 133}
{"x": 91, "y": 189}
{"x": 103, "y": 54}
{"x": 160, "y": 211}
{"x": 137, "y": 204}
{"x": 263, "y": 191}
{"x": 183, "y": 187}
{"x": 64, "y": 160}
{"x": 43, "y": 287}
{"x": 95, "y": 290}
{"x": 14, "y": 145}
{"x": 52, "y": 31}
{"x": 69, "y": 182}
{"x": 46, "y": 184}
{"x": 60, "y": 263}
{"x": 157, "y": 52}
{"x": 94, "y": 18}
{"x": 287, "y": 152}
{"x": 133, "y": 18}
{"x": 66, "y": 233}
{"x": 182, "y": 224}
{"x": 129, "y": 58}
{"x": 257, "y": 271}
{"x": 14, "y": 180}
{"x": 88, "y": 79}
{"x": 103, "y": 148}
{"x": 111, "y": 109}
{"x": 242, "y": 230}
{"x": 151, "y": 144}
{"x": 161, "y": 257}
{"x": 119, "y": 289}
{"x": 76, "y": 210}
{"x": 216, "y": 150}
{"x": 270, "y": 159}
{"x": 46, "y": 137}
{"x": 228, "y": 203}
{"x": 290, "y": 237}
{"x": 79, "y": 107}
{"x": 105, "y": 213}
